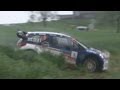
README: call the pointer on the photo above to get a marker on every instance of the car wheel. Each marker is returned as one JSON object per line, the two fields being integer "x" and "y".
{"x": 92, "y": 64}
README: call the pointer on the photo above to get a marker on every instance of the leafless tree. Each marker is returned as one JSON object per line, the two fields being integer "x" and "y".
{"x": 32, "y": 17}
{"x": 42, "y": 16}
{"x": 45, "y": 15}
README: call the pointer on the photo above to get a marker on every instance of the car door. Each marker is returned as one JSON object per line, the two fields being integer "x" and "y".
{"x": 33, "y": 41}
{"x": 43, "y": 43}
{"x": 64, "y": 45}
{"x": 53, "y": 45}
{"x": 73, "y": 51}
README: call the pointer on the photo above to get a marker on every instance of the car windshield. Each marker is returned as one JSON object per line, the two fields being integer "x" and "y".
{"x": 81, "y": 44}
{"x": 85, "y": 45}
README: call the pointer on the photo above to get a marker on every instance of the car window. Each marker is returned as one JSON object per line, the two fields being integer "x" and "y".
{"x": 34, "y": 39}
{"x": 61, "y": 43}
{"x": 77, "y": 46}
{"x": 44, "y": 40}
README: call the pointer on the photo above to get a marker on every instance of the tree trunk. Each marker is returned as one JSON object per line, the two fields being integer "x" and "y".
{"x": 44, "y": 22}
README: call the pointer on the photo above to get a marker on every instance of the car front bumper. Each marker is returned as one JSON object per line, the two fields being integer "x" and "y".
{"x": 106, "y": 58}
{"x": 105, "y": 64}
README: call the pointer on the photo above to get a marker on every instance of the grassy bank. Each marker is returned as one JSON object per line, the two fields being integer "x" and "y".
{"x": 17, "y": 65}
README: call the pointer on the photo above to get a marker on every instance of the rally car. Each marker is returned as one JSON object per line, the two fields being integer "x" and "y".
{"x": 58, "y": 43}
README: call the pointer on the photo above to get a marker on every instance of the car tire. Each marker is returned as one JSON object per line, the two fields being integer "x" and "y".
{"x": 92, "y": 64}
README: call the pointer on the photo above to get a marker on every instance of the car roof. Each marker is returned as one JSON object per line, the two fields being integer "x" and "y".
{"x": 53, "y": 33}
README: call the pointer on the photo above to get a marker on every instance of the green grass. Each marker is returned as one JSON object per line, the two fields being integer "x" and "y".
{"x": 17, "y": 65}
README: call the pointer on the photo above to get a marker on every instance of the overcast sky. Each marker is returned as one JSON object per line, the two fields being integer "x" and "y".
{"x": 8, "y": 17}
{"x": 65, "y": 12}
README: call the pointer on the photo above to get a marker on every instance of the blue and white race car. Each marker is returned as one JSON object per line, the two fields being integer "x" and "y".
{"x": 58, "y": 43}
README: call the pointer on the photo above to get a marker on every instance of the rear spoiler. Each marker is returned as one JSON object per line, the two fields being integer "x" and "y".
{"x": 21, "y": 34}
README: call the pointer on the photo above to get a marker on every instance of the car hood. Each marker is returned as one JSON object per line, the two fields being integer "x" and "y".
{"x": 104, "y": 53}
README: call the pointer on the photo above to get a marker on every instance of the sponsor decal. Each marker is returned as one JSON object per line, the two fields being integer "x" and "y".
{"x": 69, "y": 59}
{"x": 74, "y": 54}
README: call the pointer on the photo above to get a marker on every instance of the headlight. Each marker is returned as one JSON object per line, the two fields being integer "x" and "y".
{"x": 106, "y": 54}
{"x": 101, "y": 55}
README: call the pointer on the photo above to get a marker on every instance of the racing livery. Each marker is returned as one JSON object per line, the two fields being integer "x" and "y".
{"x": 58, "y": 43}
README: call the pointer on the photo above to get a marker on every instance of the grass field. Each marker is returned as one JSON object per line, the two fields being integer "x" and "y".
{"x": 15, "y": 65}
